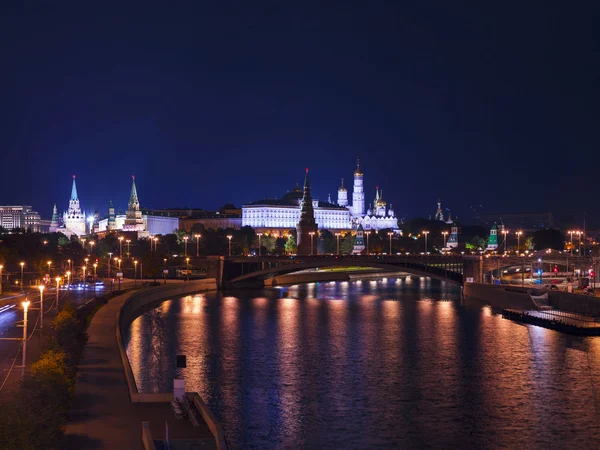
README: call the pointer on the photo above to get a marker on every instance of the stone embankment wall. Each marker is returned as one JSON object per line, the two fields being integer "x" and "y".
{"x": 502, "y": 297}
{"x": 515, "y": 297}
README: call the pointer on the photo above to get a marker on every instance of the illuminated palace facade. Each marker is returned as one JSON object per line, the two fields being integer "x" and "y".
{"x": 284, "y": 213}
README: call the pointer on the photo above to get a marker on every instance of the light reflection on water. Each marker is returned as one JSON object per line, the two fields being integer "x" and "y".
{"x": 391, "y": 363}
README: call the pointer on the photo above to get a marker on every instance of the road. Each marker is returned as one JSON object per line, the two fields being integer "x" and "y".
{"x": 11, "y": 319}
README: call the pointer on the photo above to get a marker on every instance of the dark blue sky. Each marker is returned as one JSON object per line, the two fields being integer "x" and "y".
{"x": 215, "y": 102}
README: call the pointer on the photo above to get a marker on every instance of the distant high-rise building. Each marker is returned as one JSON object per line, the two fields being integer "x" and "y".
{"x": 21, "y": 216}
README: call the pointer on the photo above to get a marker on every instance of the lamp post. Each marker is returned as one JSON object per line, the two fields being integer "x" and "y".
{"x": 390, "y": 234}
{"x": 367, "y": 233}
{"x": 165, "y": 272}
{"x": 68, "y": 279}
{"x": 155, "y": 239}
{"x": 49, "y": 268}
{"x": 444, "y": 233}
{"x": 312, "y": 237}
{"x": 337, "y": 236}
{"x": 571, "y": 233}
{"x": 68, "y": 264}
{"x": 259, "y": 244}
{"x": 24, "y": 358}
{"x": 229, "y": 236}
{"x": 120, "y": 263}
{"x": 579, "y": 233}
{"x": 504, "y": 232}
{"x": 185, "y": 239}
{"x": 57, "y": 279}
{"x": 92, "y": 247}
{"x": 518, "y": 233}
{"x": 41, "y": 287}
{"x": 128, "y": 248}
{"x": 1, "y": 267}
{"x": 425, "y": 233}
{"x": 95, "y": 266}
{"x": 187, "y": 271}
{"x": 109, "y": 258}
{"x": 121, "y": 247}
{"x": 197, "y": 236}
{"x": 22, "y": 264}
{"x": 135, "y": 263}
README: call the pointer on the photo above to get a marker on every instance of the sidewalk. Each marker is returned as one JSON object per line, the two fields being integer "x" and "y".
{"x": 102, "y": 415}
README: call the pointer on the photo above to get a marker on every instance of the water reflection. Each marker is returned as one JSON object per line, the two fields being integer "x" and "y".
{"x": 395, "y": 362}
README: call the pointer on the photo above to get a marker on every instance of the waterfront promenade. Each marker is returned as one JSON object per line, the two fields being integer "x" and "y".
{"x": 102, "y": 415}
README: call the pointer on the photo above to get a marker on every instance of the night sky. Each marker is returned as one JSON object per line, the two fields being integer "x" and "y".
{"x": 213, "y": 102}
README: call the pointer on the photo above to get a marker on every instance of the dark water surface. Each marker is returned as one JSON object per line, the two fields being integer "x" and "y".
{"x": 387, "y": 363}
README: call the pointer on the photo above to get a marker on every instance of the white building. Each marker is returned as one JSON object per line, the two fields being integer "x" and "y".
{"x": 152, "y": 225}
{"x": 285, "y": 212}
{"x": 21, "y": 216}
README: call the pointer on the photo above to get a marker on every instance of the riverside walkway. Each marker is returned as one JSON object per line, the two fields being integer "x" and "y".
{"x": 102, "y": 415}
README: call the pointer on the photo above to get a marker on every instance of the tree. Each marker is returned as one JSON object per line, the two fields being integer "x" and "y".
{"x": 347, "y": 243}
{"x": 290, "y": 245}
{"x": 476, "y": 243}
{"x": 327, "y": 242}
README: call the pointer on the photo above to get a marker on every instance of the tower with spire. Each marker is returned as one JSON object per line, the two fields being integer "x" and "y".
{"x": 358, "y": 194}
{"x": 342, "y": 195}
{"x": 133, "y": 215}
{"x": 54, "y": 222}
{"x": 359, "y": 243}
{"x": 74, "y": 218}
{"x": 307, "y": 245}
{"x": 439, "y": 215}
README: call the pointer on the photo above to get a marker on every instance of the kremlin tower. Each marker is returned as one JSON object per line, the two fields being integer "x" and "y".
{"x": 133, "y": 216}
{"x": 307, "y": 225}
{"x": 342, "y": 195}
{"x": 358, "y": 195}
{"x": 74, "y": 218}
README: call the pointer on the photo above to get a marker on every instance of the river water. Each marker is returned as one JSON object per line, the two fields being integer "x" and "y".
{"x": 388, "y": 363}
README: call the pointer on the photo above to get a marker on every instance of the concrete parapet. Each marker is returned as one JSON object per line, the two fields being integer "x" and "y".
{"x": 147, "y": 439}
{"x": 588, "y": 305}
{"x": 504, "y": 297}
{"x": 127, "y": 314}
{"x": 210, "y": 419}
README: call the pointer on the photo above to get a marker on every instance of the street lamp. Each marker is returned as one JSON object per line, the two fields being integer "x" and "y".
{"x": 229, "y": 236}
{"x": 444, "y": 233}
{"x": 367, "y": 233}
{"x": 518, "y": 233}
{"x": 92, "y": 247}
{"x": 128, "y": 248}
{"x": 41, "y": 288}
{"x": 390, "y": 234}
{"x": 187, "y": 272}
{"x": 57, "y": 279}
{"x": 165, "y": 272}
{"x": 49, "y": 264}
{"x": 579, "y": 233}
{"x": 571, "y": 233}
{"x": 109, "y": 258}
{"x": 185, "y": 239}
{"x": 69, "y": 264}
{"x": 121, "y": 246}
{"x": 120, "y": 263}
{"x": 24, "y": 357}
{"x": 337, "y": 236}
{"x": 22, "y": 264}
{"x": 504, "y": 232}
{"x": 197, "y": 236}
{"x": 312, "y": 236}
{"x": 95, "y": 265}
{"x": 135, "y": 263}
{"x": 425, "y": 233}
{"x": 1, "y": 267}
{"x": 155, "y": 239}
{"x": 68, "y": 279}
{"x": 259, "y": 244}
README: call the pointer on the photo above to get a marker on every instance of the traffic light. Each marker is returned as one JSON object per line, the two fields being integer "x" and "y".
{"x": 591, "y": 274}
{"x": 555, "y": 269}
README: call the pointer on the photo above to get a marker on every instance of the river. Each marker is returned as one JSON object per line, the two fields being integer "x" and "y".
{"x": 394, "y": 362}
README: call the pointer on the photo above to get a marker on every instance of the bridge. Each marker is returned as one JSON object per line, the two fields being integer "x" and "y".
{"x": 238, "y": 271}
